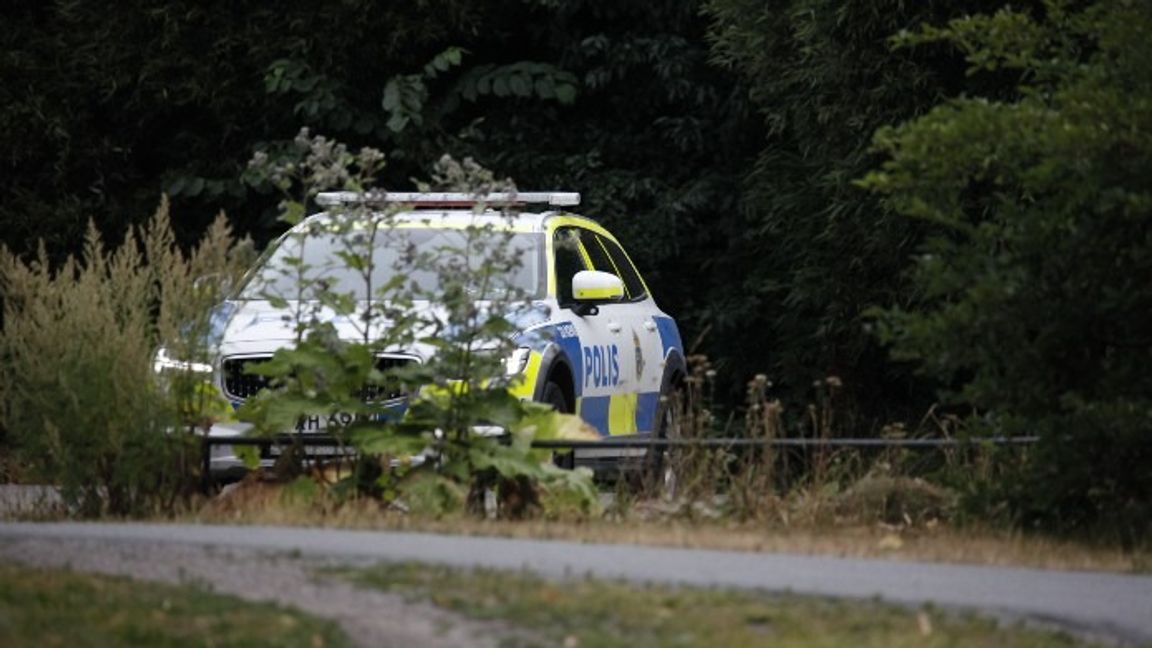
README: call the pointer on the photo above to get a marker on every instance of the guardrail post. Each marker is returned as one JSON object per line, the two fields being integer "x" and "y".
{"x": 206, "y": 465}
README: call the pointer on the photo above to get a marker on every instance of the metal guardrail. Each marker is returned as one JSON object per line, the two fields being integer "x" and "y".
{"x": 735, "y": 442}
{"x": 320, "y": 440}
{"x": 313, "y": 440}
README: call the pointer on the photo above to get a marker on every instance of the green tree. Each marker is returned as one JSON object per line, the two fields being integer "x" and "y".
{"x": 810, "y": 251}
{"x": 1036, "y": 280}
{"x": 103, "y": 107}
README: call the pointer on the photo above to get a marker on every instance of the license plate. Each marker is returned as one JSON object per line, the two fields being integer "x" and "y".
{"x": 317, "y": 422}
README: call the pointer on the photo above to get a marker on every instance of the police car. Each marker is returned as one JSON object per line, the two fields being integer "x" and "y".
{"x": 596, "y": 344}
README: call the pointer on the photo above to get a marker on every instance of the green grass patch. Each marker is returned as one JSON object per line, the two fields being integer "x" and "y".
{"x": 52, "y": 607}
{"x": 590, "y": 612}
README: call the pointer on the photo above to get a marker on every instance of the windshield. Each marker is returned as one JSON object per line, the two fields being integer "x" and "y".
{"x": 421, "y": 255}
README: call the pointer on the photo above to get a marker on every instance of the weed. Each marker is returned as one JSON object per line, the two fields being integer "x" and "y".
{"x": 815, "y": 485}
{"x": 60, "y": 607}
{"x": 81, "y": 400}
{"x": 594, "y": 612}
{"x": 454, "y": 296}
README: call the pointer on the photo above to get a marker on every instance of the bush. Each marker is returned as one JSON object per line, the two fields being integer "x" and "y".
{"x": 1090, "y": 471}
{"x": 1036, "y": 284}
{"x": 81, "y": 403}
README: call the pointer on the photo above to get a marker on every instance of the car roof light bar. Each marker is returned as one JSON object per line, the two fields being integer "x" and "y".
{"x": 449, "y": 199}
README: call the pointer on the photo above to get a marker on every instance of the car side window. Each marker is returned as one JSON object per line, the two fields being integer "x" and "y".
{"x": 597, "y": 254}
{"x": 621, "y": 266}
{"x": 569, "y": 260}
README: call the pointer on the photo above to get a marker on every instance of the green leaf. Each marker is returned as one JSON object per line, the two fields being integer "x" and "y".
{"x": 500, "y": 86}
{"x": 397, "y": 123}
{"x": 565, "y": 93}
{"x": 519, "y": 85}
{"x": 506, "y": 461}
{"x": 391, "y": 101}
{"x": 176, "y": 187}
{"x": 194, "y": 187}
{"x": 305, "y": 84}
{"x": 433, "y": 495}
{"x": 545, "y": 87}
{"x": 385, "y": 441}
{"x": 292, "y": 212}
{"x": 249, "y": 455}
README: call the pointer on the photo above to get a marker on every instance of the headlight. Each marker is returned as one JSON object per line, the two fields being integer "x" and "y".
{"x": 164, "y": 362}
{"x": 517, "y": 361}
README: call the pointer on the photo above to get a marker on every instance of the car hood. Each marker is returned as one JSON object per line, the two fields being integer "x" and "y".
{"x": 256, "y": 326}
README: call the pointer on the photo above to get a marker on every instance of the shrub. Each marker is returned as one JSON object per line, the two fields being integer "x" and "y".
{"x": 467, "y": 315}
{"x": 81, "y": 402}
{"x": 1036, "y": 283}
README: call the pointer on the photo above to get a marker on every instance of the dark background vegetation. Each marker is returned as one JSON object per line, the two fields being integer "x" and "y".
{"x": 720, "y": 142}
{"x": 724, "y": 142}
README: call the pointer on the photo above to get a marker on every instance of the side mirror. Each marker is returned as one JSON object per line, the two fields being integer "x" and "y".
{"x": 591, "y": 287}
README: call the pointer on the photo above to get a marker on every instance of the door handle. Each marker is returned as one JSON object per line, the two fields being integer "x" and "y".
{"x": 614, "y": 327}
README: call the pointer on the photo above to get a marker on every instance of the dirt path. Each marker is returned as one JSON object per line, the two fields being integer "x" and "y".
{"x": 368, "y": 617}
{"x": 1104, "y": 606}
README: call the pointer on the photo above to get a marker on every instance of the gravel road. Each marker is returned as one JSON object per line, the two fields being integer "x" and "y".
{"x": 368, "y": 617}
{"x": 1113, "y": 607}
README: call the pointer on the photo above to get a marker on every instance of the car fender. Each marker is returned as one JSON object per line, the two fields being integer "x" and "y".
{"x": 552, "y": 358}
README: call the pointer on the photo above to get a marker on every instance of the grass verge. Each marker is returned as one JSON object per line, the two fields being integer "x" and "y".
{"x": 273, "y": 504}
{"x": 588, "y": 612}
{"x": 51, "y": 607}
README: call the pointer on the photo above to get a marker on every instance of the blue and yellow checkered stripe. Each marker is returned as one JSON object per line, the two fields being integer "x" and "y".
{"x": 625, "y": 413}
{"x": 616, "y": 414}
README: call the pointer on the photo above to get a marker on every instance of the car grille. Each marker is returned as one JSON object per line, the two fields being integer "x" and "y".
{"x": 239, "y": 384}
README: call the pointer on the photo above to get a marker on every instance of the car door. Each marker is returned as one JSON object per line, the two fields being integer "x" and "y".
{"x": 605, "y": 360}
{"x": 635, "y": 314}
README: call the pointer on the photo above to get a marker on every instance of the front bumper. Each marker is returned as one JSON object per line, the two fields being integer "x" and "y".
{"x": 224, "y": 461}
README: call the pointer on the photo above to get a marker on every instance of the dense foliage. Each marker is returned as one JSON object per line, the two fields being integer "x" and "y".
{"x": 810, "y": 250}
{"x": 104, "y": 108}
{"x": 1001, "y": 249}
{"x": 1035, "y": 302}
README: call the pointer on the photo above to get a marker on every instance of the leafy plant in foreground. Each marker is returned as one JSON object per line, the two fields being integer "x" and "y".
{"x": 451, "y": 295}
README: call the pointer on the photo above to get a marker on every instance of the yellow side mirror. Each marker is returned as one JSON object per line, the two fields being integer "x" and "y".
{"x": 596, "y": 286}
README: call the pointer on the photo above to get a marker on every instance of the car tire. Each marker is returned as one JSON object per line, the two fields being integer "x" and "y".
{"x": 553, "y": 395}
{"x": 660, "y": 470}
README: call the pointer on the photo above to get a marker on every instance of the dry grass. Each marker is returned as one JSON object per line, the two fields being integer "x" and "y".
{"x": 81, "y": 405}
{"x": 265, "y": 503}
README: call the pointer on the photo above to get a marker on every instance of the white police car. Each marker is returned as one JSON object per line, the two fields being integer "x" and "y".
{"x": 596, "y": 345}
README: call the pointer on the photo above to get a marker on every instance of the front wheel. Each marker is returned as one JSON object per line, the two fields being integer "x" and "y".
{"x": 553, "y": 395}
{"x": 661, "y": 464}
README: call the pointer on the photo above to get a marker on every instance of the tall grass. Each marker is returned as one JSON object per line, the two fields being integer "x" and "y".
{"x": 79, "y": 398}
{"x": 817, "y": 485}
